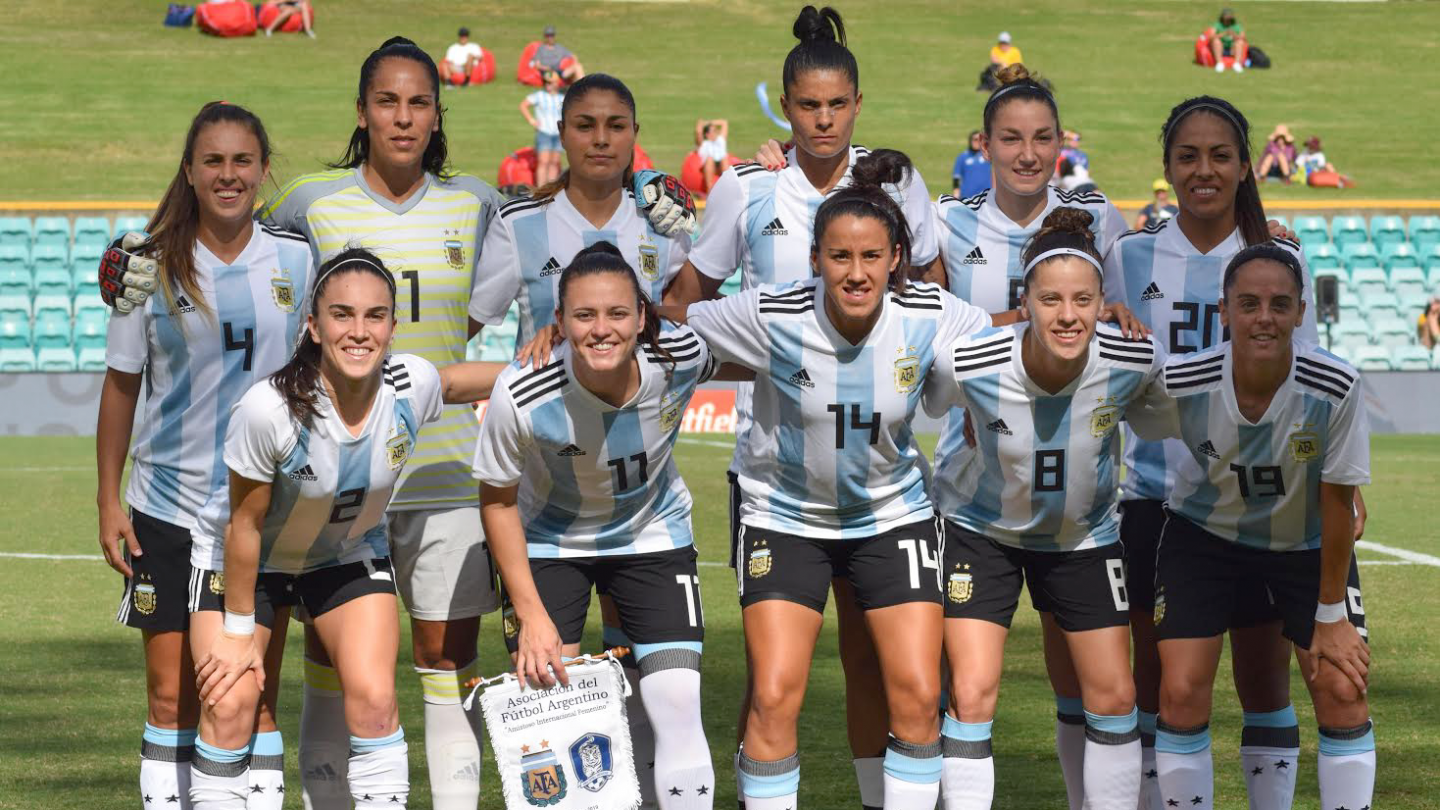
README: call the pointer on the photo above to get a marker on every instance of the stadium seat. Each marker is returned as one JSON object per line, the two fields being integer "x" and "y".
{"x": 86, "y": 291}
{"x": 52, "y": 231}
{"x": 85, "y": 263}
{"x": 1322, "y": 257}
{"x": 52, "y": 281}
{"x": 91, "y": 358}
{"x": 50, "y": 256}
{"x": 1386, "y": 231}
{"x": 1393, "y": 332}
{"x": 52, "y": 324}
{"x": 1378, "y": 306}
{"x": 55, "y": 359}
{"x": 14, "y": 328}
{"x": 13, "y": 361}
{"x": 15, "y": 277}
{"x": 1399, "y": 255}
{"x": 1373, "y": 358}
{"x": 1360, "y": 254}
{"x": 1411, "y": 358}
{"x": 93, "y": 229}
{"x": 126, "y": 224}
{"x": 1345, "y": 231}
{"x": 90, "y": 327}
{"x": 1351, "y": 334}
{"x": 15, "y": 231}
{"x": 1342, "y": 353}
{"x": 1408, "y": 281}
{"x": 1424, "y": 232}
{"x": 1368, "y": 280}
{"x": 1312, "y": 230}
{"x": 1350, "y": 312}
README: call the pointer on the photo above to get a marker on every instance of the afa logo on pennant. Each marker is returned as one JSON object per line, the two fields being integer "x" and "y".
{"x": 543, "y": 777}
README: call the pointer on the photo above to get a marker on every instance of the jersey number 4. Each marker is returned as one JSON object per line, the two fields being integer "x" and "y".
{"x": 247, "y": 344}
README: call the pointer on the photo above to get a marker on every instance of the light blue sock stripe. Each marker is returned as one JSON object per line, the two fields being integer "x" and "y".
{"x": 1169, "y": 742}
{"x": 921, "y": 771}
{"x": 642, "y": 650}
{"x": 967, "y": 732}
{"x": 769, "y": 787}
{"x": 1280, "y": 718}
{"x": 361, "y": 745}
{"x": 1331, "y": 747}
{"x": 267, "y": 744}
{"x": 1113, "y": 723}
{"x": 174, "y": 737}
{"x": 220, "y": 755}
{"x": 1147, "y": 722}
{"x": 614, "y": 637}
{"x": 1069, "y": 705}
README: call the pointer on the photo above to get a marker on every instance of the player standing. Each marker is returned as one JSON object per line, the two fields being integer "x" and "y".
{"x": 229, "y": 310}
{"x": 1276, "y": 438}
{"x": 1034, "y": 503}
{"x": 313, "y": 454}
{"x": 762, "y": 222}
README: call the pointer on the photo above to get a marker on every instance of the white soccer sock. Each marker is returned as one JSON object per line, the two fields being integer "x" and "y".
{"x": 219, "y": 777}
{"x": 267, "y": 772}
{"x": 1269, "y": 753}
{"x": 324, "y": 741}
{"x": 870, "y": 776}
{"x": 1149, "y": 776}
{"x": 1070, "y": 747}
{"x": 968, "y": 781}
{"x": 1187, "y": 773}
{"x": 739, "y": 779}
{"x": 770, "y": 785}
{"x": 379, "y": 772}
{"x": 670, "y": 690}
{"x": 453, "y": 742}
{"x": 912, "y": 775}
{"x": 165, "y": 766}
{"x": 1347, "y": 767}
{"x": 1112, "y": 760}
{"x": 642, "y": 735}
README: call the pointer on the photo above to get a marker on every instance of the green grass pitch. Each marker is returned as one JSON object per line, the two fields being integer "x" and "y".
{"x": 72, "y": 683}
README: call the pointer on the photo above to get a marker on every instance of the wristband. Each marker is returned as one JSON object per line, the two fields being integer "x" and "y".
{"x": 1329, "y": 614}
{"x": 241, "y": 624}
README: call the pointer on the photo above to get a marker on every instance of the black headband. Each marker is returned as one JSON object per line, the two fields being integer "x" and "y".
{"x": 1205, "y": 105}
{"x": 1264, "y": 250}
{"x": 1025, "y": 84}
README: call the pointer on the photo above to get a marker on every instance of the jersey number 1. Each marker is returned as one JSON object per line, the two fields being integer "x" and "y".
{"x": 414, "y": 277}
{"x": 856, "y": 423}
{"x": 622, "y": 478}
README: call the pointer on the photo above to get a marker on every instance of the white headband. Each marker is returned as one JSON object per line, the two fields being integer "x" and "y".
{"x": 1064, "y": 251}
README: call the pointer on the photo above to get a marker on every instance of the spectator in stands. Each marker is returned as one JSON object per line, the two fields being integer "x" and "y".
{"x": 288, "y": 9}
{"x": 1227, "y": 38}
{"x": 462, "y": 58}
{"x": 1075, "y": 178}
{"x": 1160, "y": 209}
{"x": 1072, "y": 152}
{"x": 971, "y": 174}
{"x": 542, "y": 111}
{"x": 710, "y": 143}
{"x": 1312, "y": 166}
{"x": 553, "y": 56}
{"x": 1004, "y": 54}
{"x": 1428, "y": 329}
{"x": 1279, "y": 157}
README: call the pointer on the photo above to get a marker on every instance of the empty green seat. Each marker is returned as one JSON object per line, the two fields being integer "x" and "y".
{"x": 1424, "y": 232}
{"x": 1373, "y": 358}
{"x": 16, "y": 360}
{"x": 1411, "y": 358}
{"x": 1360, "y": 254}
{"x": 55, "y": 359}
{"x": 131, "y": 223}
{"x": 1312, "y": 230}
{"x": 95, "y": 229}
{"x": 50, "y": 257}
{"x": 1386, "y": 231}
{"x": 52, "y": 231}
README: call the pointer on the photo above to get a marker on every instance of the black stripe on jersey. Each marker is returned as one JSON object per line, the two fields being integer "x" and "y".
{"x": 944, "y": 198}
{"x": 1216, "y": 359}
{"x": 1176, "y": 373}
{"x": 674, "y": 348}
{"x": 1323, "y": 369}
{"x": 1151, "y": 229}
{"x": 537, "y": 379}
{"x": 1120, "y": 338}
{"x": 522, "y": 204}
{"x": 975, "y": 200}
{"x": 521, "y": 402}
{"x": 1143, "y": 362}
{"x": 1141, "y": 346}
{"x": 998, "y": 361}
{"x": 1280, "y": 240}
{"x": 964, "y": 351}
{"x": 748, "y": 168}
{"x": 808, "y": 306}
{"x": 674, "y": 356}
{"x": 917, "y": 303}
{"x": 1079, "y": 196}
{"x": 712, "y": 365}
{"x": 861, "y": 150}
{"x": 1320, "y": 383}
{"x": 283, "y": 234}
{"x": 802, "y": 291}
{"x": 798, "y": 300}
{"x": 1171, "y": 386}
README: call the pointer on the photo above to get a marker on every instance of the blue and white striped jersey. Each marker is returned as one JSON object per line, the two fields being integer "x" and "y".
{"x": 1175, "y": 290}
{"x": 1043, "y": 474}
{"x": 198, "y": 365}
{"x": 329, "y": 488}
{"x": 1258, "y": 484}
{"x": 531, "y": 242}
{"x": 546, "y": 110}
{"x": 831, "y": 453}
{"x": 595, "y": 480}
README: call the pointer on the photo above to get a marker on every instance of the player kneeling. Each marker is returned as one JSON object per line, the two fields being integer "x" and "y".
{"x": 1278, "y": 440}
{"x": 314, "y": 453}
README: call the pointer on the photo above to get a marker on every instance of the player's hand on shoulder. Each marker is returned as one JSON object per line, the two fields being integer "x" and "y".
{"x": 538, "y": 351}
{"x": 1278, "y": 231}
{"x": 126, "y": 277}
{"x": 1120, "y": 315}
{"x": 771, "y": 155}
{"x": 666, "y": 203}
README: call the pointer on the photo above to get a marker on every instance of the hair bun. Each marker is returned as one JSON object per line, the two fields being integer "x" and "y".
{"x": 1073, "y": 220}
{"x": 1012, "y": 74}
{"x": 601, "y": 247}
{"x": 819, "y": 25}
{"x": 397, "y": 41}
{"x": 882, "y": 167}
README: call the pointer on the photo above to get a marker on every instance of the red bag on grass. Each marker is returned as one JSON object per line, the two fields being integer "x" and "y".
{"x": 233, "y": 18}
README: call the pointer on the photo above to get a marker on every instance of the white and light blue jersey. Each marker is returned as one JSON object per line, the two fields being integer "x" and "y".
{"x": 1258, "y": 483}
{"x": 329, "y": 487}
{"x": 198, "y": 364}
{"x": 831, "y": 453}
{"x": 546, "y": 109}
{"x": 1044, "y": 472}
{"x": 595, "y": 480}
{"x": 530, "y": 243}
{"x": 1175, "y": 290}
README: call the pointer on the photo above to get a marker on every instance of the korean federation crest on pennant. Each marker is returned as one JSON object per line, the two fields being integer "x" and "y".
{"x": 590, "y": 756}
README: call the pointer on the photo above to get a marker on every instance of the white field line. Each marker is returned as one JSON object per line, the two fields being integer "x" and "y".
{"x": 1404, "y": 554}
{"x": 708, "y": 443}
{"x": 4, "y": 470}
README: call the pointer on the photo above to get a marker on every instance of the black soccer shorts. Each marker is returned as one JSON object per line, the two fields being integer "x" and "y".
{"x": 154, "y": 597}
{"x": 317, "y": 592}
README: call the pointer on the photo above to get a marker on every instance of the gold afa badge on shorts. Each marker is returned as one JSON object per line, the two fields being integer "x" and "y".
{"x": 1159, "y": 606}
{"x": 512, "y": 625}
{"x": 144, "y": 597}
{"x": 760, "y": 561}
{"x": 217, "y": 583}
{"x": 961, "y": 585}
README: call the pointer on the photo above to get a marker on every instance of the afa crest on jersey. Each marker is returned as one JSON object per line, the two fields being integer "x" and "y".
{"x": 671, "y": 407}
{"x": 543, "y": 778}
{"x": 397, "y": 448}
{"x": 649, "y": 260}
{"x": 282, "y": 291}
{"x": 760, "y": 562}
{"x": 907, "y": 371}
{"x": 591, "y": 758}
{"x": 455, "y": 254}
{"x": 1304, "y": 447}
{"x": 960, "y": 587}
{"x": 217, "y": 583}
{"x": 144, "y": 596}
{"x": 1103, "y": 420}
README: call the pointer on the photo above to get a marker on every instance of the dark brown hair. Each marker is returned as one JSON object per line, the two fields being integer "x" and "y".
{"x": 1249, "y": 211}
{"x": 1268, "y": 251}
{"x": 358, "y": 150}
{"x": 867, "y": 197}
{"x": 1017, "y": 83}
{"x": 822, "y": 47}
{"x": 590, "y": 83}
{"x": 604, "y": 257}
{"x": 1063, "y": 228}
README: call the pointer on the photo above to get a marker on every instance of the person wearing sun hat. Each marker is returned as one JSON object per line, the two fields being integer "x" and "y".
{"x": 1158, "y": 210}
{"x": 1279, "y": 158}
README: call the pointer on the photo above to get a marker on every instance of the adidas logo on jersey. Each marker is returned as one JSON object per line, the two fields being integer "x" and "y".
{"x": 570, "y": 450}
{"x": 183, "y": 305}
{"x": 975, "y": 257}
{"x": 305, "y": 474}
{"x": 1151, "y": 293}
{"x": 775, "y": 228}
{"x": 802, "y": 379}
{"x": 551, "y": 268}
{"x": 1207, "y": 448}
{"x": 1000, "y": 427}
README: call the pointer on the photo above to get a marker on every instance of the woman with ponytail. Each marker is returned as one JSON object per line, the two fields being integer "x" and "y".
{"x": 1033, "y": 502}
{"x": 579, "y": 490}
{"x": 313, "y": 454}
{"x": 833, "y": 483}
{"x": 232, "y": 294}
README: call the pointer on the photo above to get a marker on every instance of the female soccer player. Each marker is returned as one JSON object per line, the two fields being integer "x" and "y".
{"x": 1034, "y": 502}
{"x": 576, "y": 475}
{"x": 834, "y": 483}
{"x": 1276, "y": 440}
{"x": 1169, "y": 275}
{"x": 761, "y": 222}
{"x": 229, "y": 310}
{"x": 313, "y": 455}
